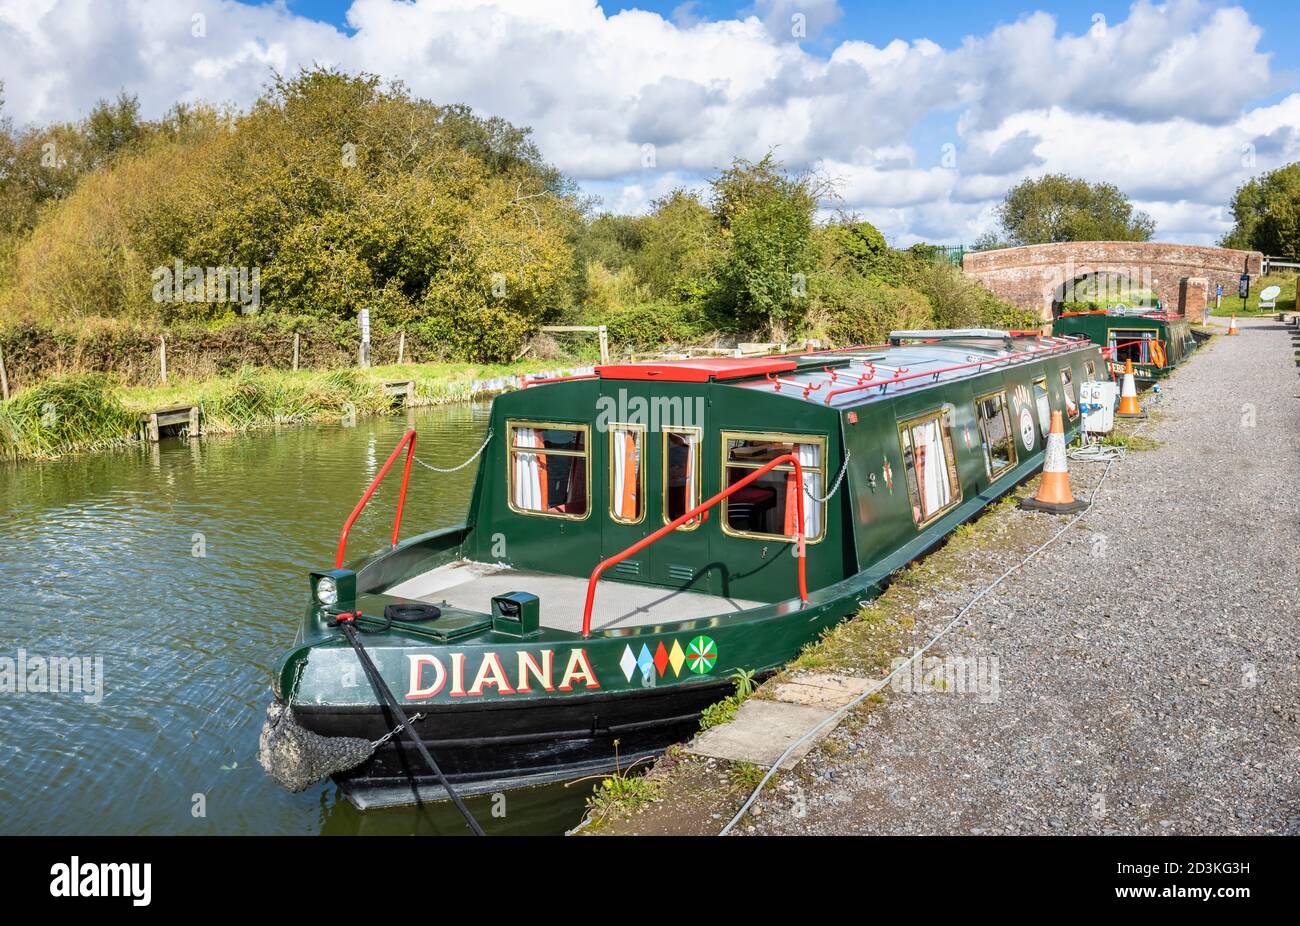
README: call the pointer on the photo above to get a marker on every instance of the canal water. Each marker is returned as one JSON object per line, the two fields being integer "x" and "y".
{"x": 183, "y": 566}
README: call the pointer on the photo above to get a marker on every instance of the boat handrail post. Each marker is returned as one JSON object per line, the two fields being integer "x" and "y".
{"x": 699, "y": 509}
{"x": 407, "y": 441}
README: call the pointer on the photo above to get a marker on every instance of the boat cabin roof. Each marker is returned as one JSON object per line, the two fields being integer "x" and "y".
{"x": 849, "y": 377}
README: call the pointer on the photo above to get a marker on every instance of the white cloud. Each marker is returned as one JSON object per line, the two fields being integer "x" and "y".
{"x": 1161, "y": 103}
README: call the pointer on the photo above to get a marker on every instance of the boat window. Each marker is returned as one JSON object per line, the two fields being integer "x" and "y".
{"x": 995, "y": 428}
{"x": 1067, "y": 389}
{"x": 1044, "y": 406}
{"x": 547, "y": 465}
{"x": 1131, "y": 344}
{"x": 681, "y": 474}
{"x": 626, "y": 474}
{"x": 931, "y": 465}
{"x": 766, "y": 507}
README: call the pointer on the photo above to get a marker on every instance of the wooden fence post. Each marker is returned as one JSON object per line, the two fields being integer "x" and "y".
{"x": 295, "y": 352}
{"x": 4, "y": 377}
{"x": 401, "y": 347}
{"x": 162, "y": 356}
{"x": 604, "y": 344}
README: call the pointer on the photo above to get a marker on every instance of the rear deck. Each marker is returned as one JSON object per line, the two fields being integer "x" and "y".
{"x": 471, "y": 586}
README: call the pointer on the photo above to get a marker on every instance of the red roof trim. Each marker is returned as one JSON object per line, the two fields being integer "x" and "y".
{"x": 698, "y": 370}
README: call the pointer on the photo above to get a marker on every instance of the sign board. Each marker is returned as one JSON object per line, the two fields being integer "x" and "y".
{"x": 364, "y": 321}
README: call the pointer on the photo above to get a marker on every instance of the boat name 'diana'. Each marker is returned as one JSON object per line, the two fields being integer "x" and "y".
{"x": 429, "y": 676}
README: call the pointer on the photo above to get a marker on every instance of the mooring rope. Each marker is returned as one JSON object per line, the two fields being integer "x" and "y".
{"x": 837, "y": 715}
{"x": 346, "y": 625}
{"x": 474, "y": 456}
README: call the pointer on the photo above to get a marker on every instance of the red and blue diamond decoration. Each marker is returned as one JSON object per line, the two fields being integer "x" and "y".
{"x": 699, "y": 656}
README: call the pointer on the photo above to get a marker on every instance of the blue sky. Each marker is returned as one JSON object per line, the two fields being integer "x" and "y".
{"x": 923, "y": 115}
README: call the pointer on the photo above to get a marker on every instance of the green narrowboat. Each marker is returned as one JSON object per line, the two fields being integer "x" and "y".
{"x": 1156, "y": 342}
{"x": 637, "y": 535}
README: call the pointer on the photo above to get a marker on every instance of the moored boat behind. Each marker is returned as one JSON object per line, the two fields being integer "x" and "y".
{"x": 1155, "y": 342}
{"x": 636, "y": 536}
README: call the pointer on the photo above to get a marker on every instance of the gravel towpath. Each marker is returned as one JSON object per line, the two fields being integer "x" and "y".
{"x": 1147, "y": 664}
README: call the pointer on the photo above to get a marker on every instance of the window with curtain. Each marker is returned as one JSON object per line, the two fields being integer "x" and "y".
{"x": 681, "y": 474}
{"x": 1044, "y": 406}
{"x": 767, "y": 507}
{"x": 626, "y": 474}
{"x": 1131, "y": 344}
{"x": 547, "y": 469}
{"x": 1067, "y": 389}
{"x": 995, "y": 428}
{"x": 930, "y": 464}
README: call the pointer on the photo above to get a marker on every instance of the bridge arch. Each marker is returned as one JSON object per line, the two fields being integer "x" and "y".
{"x": 1182, "y": 276}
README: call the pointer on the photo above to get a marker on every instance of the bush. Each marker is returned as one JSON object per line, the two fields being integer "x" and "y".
{"x": 852, "y": 309}
{"x": 641, "y": 327}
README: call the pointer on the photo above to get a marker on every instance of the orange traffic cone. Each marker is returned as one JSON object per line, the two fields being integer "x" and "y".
{"x": 1054, "y": 491}
{"x": 1232, "y": 325}
{"x": 1128, "y": 395}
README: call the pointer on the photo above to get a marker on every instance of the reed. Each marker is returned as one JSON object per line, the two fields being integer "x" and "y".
{"x": 74, "y": 412}
{"x": 258, "y": 398}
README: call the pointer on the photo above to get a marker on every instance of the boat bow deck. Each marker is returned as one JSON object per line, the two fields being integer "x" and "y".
{"x": 471, "y": 586}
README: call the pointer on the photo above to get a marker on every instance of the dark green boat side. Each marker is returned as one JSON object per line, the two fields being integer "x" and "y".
{"x": 899, "y": 445}
{"x": 1155, "y": 342}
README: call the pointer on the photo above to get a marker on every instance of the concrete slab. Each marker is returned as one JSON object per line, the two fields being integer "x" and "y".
{"x": 760, "y": 732}
{"x": 819, "y": 689}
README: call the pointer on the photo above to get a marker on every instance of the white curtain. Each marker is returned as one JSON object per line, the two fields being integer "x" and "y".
{"x": 530, "y": 472}
{"x": 627, "y": 474}
{"x": 809, "y": 457}
{"x": 932, "y": 467}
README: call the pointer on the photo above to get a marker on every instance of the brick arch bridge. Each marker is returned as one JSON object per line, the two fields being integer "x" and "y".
{"x": 1184, "y": 276}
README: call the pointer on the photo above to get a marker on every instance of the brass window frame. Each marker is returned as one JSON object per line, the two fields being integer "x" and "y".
{"x": 514, "y": 424}
{"x": 1011, "y": 440}
{"x": 781, "y": 438}
{"x": 642, "y": 444}
{"x": 1062, "y": 373}
{"x": 699, "y": 473}
{"x": 945, "y": 430}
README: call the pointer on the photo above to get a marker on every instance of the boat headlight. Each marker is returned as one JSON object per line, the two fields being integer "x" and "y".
{"x": 335, "y": 588}
{"x": 327, "y": 590}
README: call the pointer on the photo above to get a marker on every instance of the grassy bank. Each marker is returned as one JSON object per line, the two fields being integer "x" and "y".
{"x": 1235, "y": 305}
{"x": 92, "y": 411}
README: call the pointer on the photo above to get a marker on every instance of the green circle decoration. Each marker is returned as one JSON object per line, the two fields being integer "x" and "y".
{"x": 702, "y": 655}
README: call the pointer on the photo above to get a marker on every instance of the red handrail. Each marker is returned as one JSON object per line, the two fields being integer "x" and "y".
{"x": 698, "y": 509}
{"x": 407, "y": 441}
{"x": 1070, "y": 345}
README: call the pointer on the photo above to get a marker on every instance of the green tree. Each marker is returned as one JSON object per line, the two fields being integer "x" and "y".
{"x": 1056, "y": 207}
{"x": 1266, "y": 211}
{"x": 764, "y": 219}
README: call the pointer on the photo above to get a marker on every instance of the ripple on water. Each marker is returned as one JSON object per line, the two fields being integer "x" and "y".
{"x": 99, "y": 560}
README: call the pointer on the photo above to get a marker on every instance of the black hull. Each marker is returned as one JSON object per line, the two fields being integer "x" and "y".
{"x": 494, "y": 746}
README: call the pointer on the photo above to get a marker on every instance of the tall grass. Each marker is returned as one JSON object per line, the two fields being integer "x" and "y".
{"x": 255, "y": 398}
{"x": 75, "y": 412}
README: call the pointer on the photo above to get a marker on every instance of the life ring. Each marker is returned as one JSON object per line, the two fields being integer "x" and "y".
{"x": 1158, "y": 353}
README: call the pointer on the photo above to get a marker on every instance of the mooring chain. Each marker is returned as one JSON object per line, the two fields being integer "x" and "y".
{"x": 474, "y": 456}
{"x": 396, "y": 730}
{"x": 838, "y": 479}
